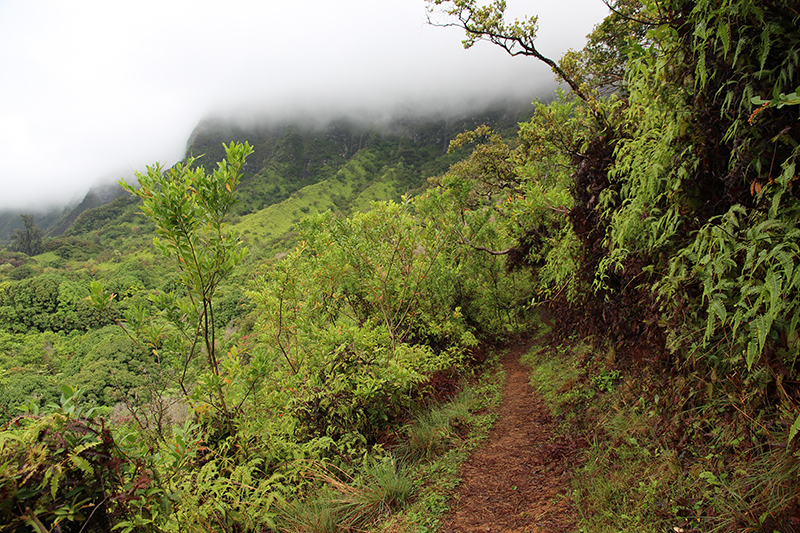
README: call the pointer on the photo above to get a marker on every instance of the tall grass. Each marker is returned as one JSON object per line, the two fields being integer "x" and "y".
{"x": 666, "y": 452}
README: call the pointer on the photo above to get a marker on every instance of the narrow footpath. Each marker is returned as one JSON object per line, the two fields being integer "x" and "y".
{"x": 518, "y": 482}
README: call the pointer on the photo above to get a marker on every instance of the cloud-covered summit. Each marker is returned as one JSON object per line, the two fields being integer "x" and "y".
{"x": 92, "y": 88}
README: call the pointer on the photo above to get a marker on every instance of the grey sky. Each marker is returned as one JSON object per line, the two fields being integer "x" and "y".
{"x": 93, "y": 89}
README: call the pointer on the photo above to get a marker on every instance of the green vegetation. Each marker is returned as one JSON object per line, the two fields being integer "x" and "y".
{"x": 208, "y": 388}
{"x": 27, "y": 240}
{"x": 188, "y": 208}
{"x": 659, "y": 453}
{"x": 649, "y": 215}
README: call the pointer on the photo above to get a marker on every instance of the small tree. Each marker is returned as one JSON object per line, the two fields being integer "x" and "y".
{"x": 486, "y": 23}
{"x": 188, "y": 207}
{"x": 28, "y": 240}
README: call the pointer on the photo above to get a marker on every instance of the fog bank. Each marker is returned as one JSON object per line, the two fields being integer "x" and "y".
{"x": 95, "y": 89}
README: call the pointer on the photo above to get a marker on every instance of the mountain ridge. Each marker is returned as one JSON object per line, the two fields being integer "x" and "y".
{"x": 296, "y": 153}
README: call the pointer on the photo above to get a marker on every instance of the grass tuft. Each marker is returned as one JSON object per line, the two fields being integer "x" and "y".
{"x": 320, "y": 514}
{"x": 385, "y": 486}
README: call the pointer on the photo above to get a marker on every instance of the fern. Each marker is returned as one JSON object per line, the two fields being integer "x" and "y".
{"x": 794, "y": 429}
{"x": 690, "y": 149}
{"x": 82, "y": 464}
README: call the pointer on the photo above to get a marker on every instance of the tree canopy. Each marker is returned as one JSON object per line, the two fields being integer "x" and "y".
{"x": 27, "y": 240}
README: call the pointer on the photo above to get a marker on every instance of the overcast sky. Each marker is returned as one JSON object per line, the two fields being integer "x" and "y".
{"x": 94, "y": 89}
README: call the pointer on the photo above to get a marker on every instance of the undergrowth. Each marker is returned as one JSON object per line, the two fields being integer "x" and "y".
{"x": 666, "y": 451}
{"x": 408, "y": 488}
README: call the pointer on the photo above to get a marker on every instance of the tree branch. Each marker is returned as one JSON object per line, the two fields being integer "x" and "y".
{"x": 517, "y": 39}
{"x": 463, "y": 240}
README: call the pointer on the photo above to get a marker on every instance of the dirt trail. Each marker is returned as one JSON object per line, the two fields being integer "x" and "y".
{"x": 518, "y": 481}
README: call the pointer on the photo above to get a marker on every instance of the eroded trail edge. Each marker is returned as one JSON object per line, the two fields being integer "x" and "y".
{"x": 519, "y": 480}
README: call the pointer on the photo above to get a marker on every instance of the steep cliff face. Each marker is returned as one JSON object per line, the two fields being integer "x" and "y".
{"x": 55, "y": 221}
{"x": 97, "y": 196}
{"x": 295, "y": 154}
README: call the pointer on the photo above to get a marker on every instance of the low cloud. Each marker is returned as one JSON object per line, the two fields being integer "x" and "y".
{"x": 97, "y": 89}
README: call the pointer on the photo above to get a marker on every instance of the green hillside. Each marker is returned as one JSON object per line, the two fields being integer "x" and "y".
{"x": 365, "y": 178}
{"x": 288, "y": 354}
{"x": 288, "y": 157}
{"x": 44, "y": 296}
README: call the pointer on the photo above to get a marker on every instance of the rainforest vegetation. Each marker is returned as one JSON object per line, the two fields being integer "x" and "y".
{"x": 295, "y": 331}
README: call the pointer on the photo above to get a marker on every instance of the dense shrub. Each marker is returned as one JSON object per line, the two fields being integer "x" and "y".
{"x": 48, "y": 302}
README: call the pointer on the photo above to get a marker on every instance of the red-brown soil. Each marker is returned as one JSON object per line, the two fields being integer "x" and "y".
{"x": 519, "y": 480}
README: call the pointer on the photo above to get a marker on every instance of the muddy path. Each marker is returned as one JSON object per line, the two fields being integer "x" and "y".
{"x": 518, "y": 481}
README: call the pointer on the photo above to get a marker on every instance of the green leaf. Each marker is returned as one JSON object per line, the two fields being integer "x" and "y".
{"x": 794, "y": 429}
{"x": 718, "y": 308}
{"x": 82, "y": 464}
{"x": 724, "y": 33}
{"x": 752, "y": 353}
{"x": 709, "y": 477}
{"x": 85, "y": 446}
{"x": 763, "y": 325}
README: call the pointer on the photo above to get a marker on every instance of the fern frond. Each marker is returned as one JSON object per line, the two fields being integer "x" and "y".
{"x": 82, "y": 464}
{"x": 794, "y": 429}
